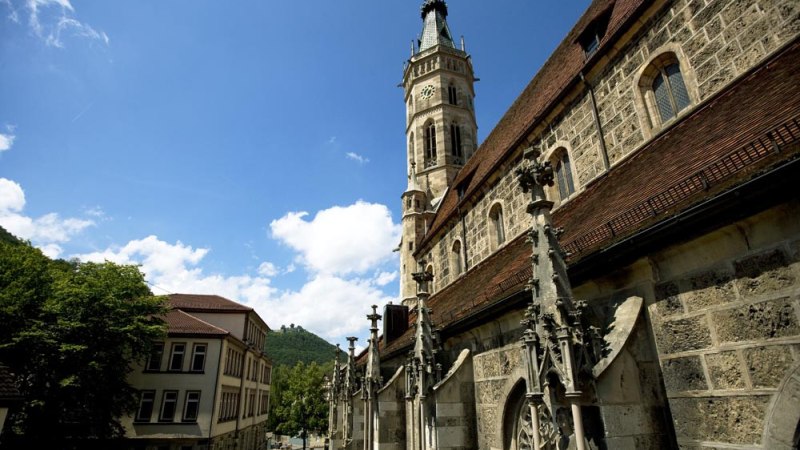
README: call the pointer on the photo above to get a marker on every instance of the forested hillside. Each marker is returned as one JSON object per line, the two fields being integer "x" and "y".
{"x": 293, "y": 344}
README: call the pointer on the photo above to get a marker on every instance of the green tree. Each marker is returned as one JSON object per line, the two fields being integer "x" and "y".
{"x": 71, "y": 334}
{"x": 298, "y": 400}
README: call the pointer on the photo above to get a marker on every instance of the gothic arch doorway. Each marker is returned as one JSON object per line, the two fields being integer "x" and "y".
{"x": 782, "y": 429}
{"x": 517, "y": 424}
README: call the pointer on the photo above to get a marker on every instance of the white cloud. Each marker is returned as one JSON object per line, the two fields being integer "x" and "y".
{"x": 268, "y": 269}
{"x": 340, "y": 240}
{"x": 45, "y": 231}
{"x": 51, "y": 19}
{"x": 330, "y": 306}
{"x": 384, "y": 278}
{"x": 7, "y": 139}
{"x": 12, "y": 198}
{"x": 356, "y": 157}
{"x": 174, "y": 268}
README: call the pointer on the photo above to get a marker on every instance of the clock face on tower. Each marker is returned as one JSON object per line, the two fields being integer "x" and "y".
{"x": 427, "y": 91}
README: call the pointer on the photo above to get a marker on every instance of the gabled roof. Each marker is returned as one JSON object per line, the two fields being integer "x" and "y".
{"x": 180, "y": 323}
{"x": 205, "y": 303}
{"x": 542, "y": 93}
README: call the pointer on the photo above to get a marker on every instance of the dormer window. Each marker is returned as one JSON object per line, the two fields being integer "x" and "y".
{"x": 590, "y": 39}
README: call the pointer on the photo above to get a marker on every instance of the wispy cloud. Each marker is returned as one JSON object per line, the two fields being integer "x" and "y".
{"x": 12, "y": 11}
{"x": 52, "y": 20}
{"x": 7, "y": 138}
{"x": 332, "y": 140}
{"x": 356, "y": 157}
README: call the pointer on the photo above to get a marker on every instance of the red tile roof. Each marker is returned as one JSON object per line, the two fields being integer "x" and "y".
{"x": 491, "y": 281}
{"x": 728, "y": 138}
{"x": 183, "y": 323}
{"x": 725, "y": 140}
{"x": 205, "y": 303}
{"x": 542, "y": 93}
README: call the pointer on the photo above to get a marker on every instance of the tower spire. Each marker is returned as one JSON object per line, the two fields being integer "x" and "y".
{"x": 435, "y": 30}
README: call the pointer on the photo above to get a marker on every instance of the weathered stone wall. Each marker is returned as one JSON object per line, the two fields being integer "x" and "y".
{"x": 724, "y": 312}
{"x": 726, "y": 318}
{"x": 455, "y": 407}
{"x": 392, "y": 413}
{"x": 494, "y": 370}
{"x": 715, "y": 41}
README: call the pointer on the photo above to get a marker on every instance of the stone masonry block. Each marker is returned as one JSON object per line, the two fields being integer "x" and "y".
{"x": 757, "y": 321}
{"x": 710, "y": 288}
{"x": 667, "y": 301}
{"x": 725, "y": 370}
{"x": 763, "y": 272}
{"x": 768, "y": 365}
{"x": 684, "y": 374}
{"x": 734, "y": 420}
{"x": 682, "y": 335}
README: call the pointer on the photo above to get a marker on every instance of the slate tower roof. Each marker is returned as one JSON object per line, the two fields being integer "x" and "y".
{"x": 435, "y": 30}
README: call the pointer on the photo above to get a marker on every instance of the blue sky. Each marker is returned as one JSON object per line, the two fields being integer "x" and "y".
{"x": 251, "y": 149}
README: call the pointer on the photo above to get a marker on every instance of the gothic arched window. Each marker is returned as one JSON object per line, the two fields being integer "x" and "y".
{"x": 430, "y": 144}
{"x": 455, "y": 141}
{"x": 497, "y": 226}
{"x": 563, "y": 171}
{"x": 452, "y": 95}
{"x": 664, "y": 89}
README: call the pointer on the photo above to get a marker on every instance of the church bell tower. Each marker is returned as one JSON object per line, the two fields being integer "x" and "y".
{"x": 441, "y": 132}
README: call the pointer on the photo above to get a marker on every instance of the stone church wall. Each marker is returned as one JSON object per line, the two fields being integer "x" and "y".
{"x": 715, "y": 41}
{"x": 392, "y": 413}
{"x": 455, "y": 406}
{"x": 724, "y": 312}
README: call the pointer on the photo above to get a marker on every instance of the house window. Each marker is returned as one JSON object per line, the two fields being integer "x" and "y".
{"x": 168, "y": 402}
{"x": 430, "y": 144}
{"x": 455, "y": 141}
{"x": 498, "y": 227}
{"x": 563, "y": 169}
{"x": 176, "y": 357}
{"x": 198, "y": 357}
{"x": 670, "y": 92}
{"x": 145, "y": 406}
{"x": 452, "y": 95}
{"x": 156, "y": 353}
{"x": 457, "y": 258}
{"x": 192, "y": 406}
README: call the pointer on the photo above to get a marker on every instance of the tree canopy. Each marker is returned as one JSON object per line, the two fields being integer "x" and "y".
{"x": 298, "y": 404}
{"x": 71, "y": 333}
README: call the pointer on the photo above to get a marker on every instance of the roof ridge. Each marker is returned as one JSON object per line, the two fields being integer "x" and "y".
{"x": 197, "y": 319}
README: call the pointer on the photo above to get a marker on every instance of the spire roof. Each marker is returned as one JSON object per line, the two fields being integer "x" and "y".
{"x": 435, "y": 30}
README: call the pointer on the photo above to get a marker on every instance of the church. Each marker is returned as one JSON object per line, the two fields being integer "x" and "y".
{"x": 617, "y": 265}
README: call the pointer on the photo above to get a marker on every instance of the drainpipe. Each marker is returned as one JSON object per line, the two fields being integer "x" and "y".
{"x": 599, "y": 128}
{"x": 464, "y": 239}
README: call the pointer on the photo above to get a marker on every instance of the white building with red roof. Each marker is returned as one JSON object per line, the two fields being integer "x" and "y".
{"x": 207, "y": 385}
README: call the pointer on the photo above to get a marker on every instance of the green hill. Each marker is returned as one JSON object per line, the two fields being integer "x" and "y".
{"x": 5, "y": 236}
{"x": 293, "y": 344}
